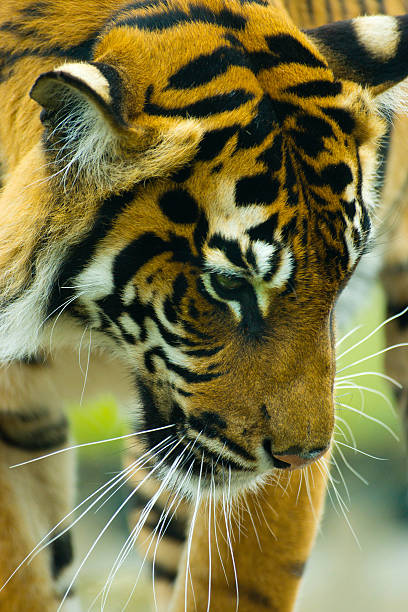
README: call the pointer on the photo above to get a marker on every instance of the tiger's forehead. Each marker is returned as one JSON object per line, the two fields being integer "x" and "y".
{"x": 277, "y": 168}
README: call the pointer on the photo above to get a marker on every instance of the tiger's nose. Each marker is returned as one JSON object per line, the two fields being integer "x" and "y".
{"x": 294, "y": 457}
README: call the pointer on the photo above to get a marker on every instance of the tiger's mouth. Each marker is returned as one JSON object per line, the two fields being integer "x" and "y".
{"x": 191, "y": 460}
{"x": 195, "y": 451}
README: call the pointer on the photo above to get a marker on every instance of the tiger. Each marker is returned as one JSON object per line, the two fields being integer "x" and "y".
{"x": 188, "y": 186}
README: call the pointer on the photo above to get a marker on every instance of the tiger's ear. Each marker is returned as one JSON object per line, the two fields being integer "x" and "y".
{"x": 88, "y": 134}
{"x": 371, "y": 51}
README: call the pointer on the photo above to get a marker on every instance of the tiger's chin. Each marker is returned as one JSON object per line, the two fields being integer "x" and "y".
{"x": 222, "y": 485}
{"x": 193, "y": 474}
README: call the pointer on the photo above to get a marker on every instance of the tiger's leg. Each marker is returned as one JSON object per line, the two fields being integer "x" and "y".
{"x": 34, "y": 497}
{"x": 269, "y": 570}
{"x": 163, "y": 534}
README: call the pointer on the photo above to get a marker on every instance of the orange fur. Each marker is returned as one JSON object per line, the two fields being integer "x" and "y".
{"x": 120, "y": 128}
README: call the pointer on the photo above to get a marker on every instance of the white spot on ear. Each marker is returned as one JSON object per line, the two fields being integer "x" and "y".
{"x": 379, "y": 34}
{"x": 91, "y": 76}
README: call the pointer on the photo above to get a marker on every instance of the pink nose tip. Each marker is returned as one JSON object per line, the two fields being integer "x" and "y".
{"x": 298, "y": 461}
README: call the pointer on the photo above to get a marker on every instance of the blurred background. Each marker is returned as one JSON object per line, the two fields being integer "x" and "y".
{"x": 360, "y": 561}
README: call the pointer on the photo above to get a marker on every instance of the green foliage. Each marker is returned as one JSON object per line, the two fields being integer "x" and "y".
{"x": 97, "y": 421}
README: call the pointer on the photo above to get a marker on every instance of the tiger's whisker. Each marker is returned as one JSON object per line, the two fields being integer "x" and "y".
{"x": 370, "y": 418}
{"x": 342, "y": 478}
{"x": 87, "y": 367}
{"x": 124, "y": 475}
{"x": 127, "y": 547}
{"x": 381, "y": 352}
{"x": 368, "y": 373}
{"x": 347, "y": 426}
{"x": 360, "y": 451}
{"x": 370, "y": 390}
{"x": 349, "y": 466}
{"x": 210, "y": 500}
{"x": 374, "y": 331}
{"x": 109, "y": 522}
{"x": 190, "y": 536}
{"x": 73, "y": 447}
{"x": 347, "y": 335}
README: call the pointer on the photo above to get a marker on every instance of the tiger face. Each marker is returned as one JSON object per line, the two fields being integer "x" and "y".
{"x": 228, "y": 177}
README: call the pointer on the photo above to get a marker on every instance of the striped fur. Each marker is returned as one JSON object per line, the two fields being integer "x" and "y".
{"x": 194, "y": 194}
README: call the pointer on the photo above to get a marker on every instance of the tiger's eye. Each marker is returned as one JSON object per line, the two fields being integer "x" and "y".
{"x": 229, "y": 282}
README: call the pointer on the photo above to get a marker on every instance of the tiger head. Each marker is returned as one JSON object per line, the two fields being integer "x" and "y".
{"x": 224, "y": 162}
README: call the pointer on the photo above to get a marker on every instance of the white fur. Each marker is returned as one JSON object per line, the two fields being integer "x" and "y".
{"x": 263, "y": 254}
{"x": 89, "y": 143}
{"x": 91, "y": 76}
{"x": 285, "y": 269}
{"x": 22, "y": 321}
{"x": 379, "y": 34}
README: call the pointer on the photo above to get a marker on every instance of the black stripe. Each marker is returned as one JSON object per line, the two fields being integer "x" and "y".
{"x": 172, "y": 305}
{"x": 229, "y": 247}
{"x": 315, "y": 89}
{"x": 206, "y": 67}
{"x": 179, "y": 206}
{"x": 42, "y": 438}
{"x": 258, "y": 600}
{"x": 164, "y": 573}
{"x": 329, "y": 10}
{"x": 115, "y": 88}
{"x": 188, "y": 376}
{"x": 342, "y": 117}
{"x": 82, "y": 51}
{"x": 113, "y": 307}
{"x": 200, "y": 233}
{"x": 297, "y": 568}
{"x": 204, "y": 352}
{"x": 363, "y": 7}
{"x": 259, "y": 189}
{"x": 265, "y": 231}
{"x": 236, "y": 448}
{"x": 211, "y": 459}
{"x": 393, "y": 309}
{"x": 80, "y": 254}
{"x": 33, "y": 360}
{"x": 263, "y": 122}
{"x": 288, "y": 49}
{"x": 211, "y": 105}
{"x": 310, "y": 9}
{"x": 142, "y": 250}
{"x": 132, "y": 6}
{"x": 211, "y": 430}
{"x": 176, "y": 529}
{"x": 171, "y": 18}
{"x": 62, "y": 553}
{"x": 273, "y": 156}
{"x": 36, "y": 9}
{"x": 214, "y": 141}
